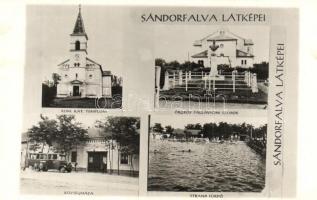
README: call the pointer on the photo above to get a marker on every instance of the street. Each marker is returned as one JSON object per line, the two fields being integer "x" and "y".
{"x": 56, "y": 183}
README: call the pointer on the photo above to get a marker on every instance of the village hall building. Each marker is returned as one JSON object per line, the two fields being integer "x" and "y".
{"x": 92, "y": 155}
{"x": 81, "y": 76}
{"x": 228, "y": 48}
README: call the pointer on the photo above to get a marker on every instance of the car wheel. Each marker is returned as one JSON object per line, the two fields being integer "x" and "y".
{"x": 62, "y": 169}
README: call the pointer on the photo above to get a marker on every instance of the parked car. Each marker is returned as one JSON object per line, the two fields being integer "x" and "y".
{"x": 48, "y": 161}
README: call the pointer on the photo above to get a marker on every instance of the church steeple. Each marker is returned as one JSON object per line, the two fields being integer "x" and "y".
{"x": 79, "y": 38}
{"x": 79, "y": 29}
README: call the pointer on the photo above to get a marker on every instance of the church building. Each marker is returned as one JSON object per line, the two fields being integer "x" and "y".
{"x": 81, "y": 76}
{"x": 228, "y": 48}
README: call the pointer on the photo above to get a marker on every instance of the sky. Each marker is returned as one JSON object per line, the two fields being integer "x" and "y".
{"x": 87, "y": 120}
{"x": 175, "y": 42}
{"x": 182, "y": 121}
{"x": 49, "y": 29}
{"x": 111, "y": 33}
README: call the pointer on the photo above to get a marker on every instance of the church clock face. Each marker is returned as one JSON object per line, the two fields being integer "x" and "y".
{"x": 76, "y": 57}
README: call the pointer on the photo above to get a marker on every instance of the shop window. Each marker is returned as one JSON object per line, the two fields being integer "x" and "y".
{"x": 124, "y": 158}
{"x": 74, "y": 156}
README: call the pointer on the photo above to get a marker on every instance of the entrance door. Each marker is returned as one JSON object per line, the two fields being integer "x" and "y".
{"x": 75, "y": 90}
{"x": 97, "y": 162}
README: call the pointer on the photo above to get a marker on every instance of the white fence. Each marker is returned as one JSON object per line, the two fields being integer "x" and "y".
{"x": 188, "y": 80}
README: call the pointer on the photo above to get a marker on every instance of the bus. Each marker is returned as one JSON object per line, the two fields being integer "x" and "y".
{"x": 48, "y": 161}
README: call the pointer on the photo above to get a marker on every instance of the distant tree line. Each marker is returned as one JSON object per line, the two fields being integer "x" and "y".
{"x": 211, "y": 130}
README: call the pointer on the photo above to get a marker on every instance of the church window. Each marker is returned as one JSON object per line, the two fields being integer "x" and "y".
{"x": 241, "y": 62}
{"x": 77, "y": 45}
{"x": 76, "y": 75}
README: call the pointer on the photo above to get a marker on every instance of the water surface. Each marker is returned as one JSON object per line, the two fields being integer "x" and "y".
{"x": 209, "y": 167}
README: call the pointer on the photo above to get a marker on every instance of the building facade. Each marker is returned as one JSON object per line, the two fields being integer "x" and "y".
{"x": 228, "y": 49}
{"x": 93, "y": 155}
{"x": 100, "y": 155}
{"x": 81, "y": 76}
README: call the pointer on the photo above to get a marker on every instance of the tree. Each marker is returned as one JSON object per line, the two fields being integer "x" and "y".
{"x": 158, "y": 128}
{"x": 56, "y": 78}
{"x": 69, "y": 134}
{"x": 169, "y": 130}
{"x": 160, "y": 62}
{"x": 194, "y": 126}
{"x": 64, "y": 133}
{"x": 42, "y": 134}
{"x": 125, "y": 132}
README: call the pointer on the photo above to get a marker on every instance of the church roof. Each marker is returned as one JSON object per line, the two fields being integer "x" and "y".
{"x": 79, "y": 28}
{"x": 248, "y": 42}
{"x": 242, "y": 54}
{"x": 221, "y": 38}
{"x": 200, "y": 55}
{"x": 222, "y": 35}
{"x": 106, "y": 73}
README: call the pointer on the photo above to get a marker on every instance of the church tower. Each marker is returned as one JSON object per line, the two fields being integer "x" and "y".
{"x": 78, "y": 54}
{"x": 81, "y": 76}
{"x": 78, "y": 44}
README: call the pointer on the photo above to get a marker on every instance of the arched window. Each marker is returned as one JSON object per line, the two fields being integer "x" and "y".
{"x": 76, "y": 75}
{"x": 77, "y": 45}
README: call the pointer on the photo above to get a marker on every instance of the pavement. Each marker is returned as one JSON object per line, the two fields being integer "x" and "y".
{"x": 77, "y": 183}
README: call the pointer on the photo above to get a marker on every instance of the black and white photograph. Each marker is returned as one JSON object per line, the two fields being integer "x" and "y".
{"x": 211, "y": 67}
{"x": 76, "y": 51}
{"x": 199, "y": 154}
{"x": 68, "y": 154}
{"x": 107, "y": 100}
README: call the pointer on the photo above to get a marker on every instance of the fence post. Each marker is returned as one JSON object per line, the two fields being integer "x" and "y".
{"x": 233, "y": 81}
{"x": 209, "y": 81}
{"x": 186, "y": 81}
{"x": 254, "y": 84}
{"x": 157, "y": 85}
{"x": 205, "y": 77}
{"x": 245, "y": 77}
{"x": 190, "y": 75}
{"x": 166, "y": 81}
{"x": 174, "y": 79}
{"x": 180, "y": 77}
